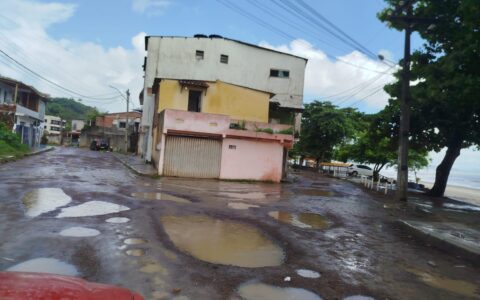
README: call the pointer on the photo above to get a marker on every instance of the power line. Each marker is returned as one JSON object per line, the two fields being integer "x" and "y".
{"x": 48, "y": 80}
{"x": 252, "y": 17}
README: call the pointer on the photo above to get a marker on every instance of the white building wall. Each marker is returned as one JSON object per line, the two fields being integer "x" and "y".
{"x": 248, "y": 66}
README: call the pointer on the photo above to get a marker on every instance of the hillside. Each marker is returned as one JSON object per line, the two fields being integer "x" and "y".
{"x": 69, "y": 109}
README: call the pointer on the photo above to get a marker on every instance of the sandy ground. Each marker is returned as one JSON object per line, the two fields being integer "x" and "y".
{"x": 355, "y": 243}
{"x": 461, "y": 193}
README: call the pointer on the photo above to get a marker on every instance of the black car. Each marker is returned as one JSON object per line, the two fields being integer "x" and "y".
{"x": 99, "y": 145}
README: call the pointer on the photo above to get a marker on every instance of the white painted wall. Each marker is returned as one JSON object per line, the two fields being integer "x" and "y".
{"x": 248, "y": 66}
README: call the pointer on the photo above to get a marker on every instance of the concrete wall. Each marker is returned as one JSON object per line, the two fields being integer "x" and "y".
{"x": 220, "y": 98}
{"x": 248, "y": 66}
{"x": 252, "y": 160}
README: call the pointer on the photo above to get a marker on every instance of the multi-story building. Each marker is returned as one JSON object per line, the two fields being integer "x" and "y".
{"x": 23, "y": 108}
{"x": 214, "y": 107}
{"x": 119, "y": 120}
{"x": 54, "y": 125}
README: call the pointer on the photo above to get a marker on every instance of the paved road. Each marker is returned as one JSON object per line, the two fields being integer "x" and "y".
{"x": 188, "y": 243}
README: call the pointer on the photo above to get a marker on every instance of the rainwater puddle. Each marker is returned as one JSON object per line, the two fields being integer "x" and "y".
{"x": 43, "y": 200}
{"x": 79, "y": 232}
{"x": 240, "y": 205}
{"x": 134, "y": 241}
{"x": 91, "y": 208}
{"x": 222, "y": 242}
{"x": 45, "y": 265}
{"x": 315, "y": 192}
{"x": 117, "y": 220}
{"x": 247, "y": 195}
{"x": 459, "y": 287}
{"x": 160, "y": 196}
{"x": 135, "y": 252}
{"x": 308, "y": 273}
{"x": 262, "y": 291}
{"x": 302, "y": 220}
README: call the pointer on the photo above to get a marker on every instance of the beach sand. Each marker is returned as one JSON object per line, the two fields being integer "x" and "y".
{"x": 460, "y": 193}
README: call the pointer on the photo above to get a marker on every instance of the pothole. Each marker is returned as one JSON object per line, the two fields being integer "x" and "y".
{"x": 159, "y": 196}
{"x": 43, "y": 200}
{"x": 134, "y": 241}
{"x": 222, "y": 242}
{"x": 117, "y": 220}
{"x": 302, "y": 220}
{"x": 307, "y": 273}
{"x": 256, "y": 291}
{"x": 241, "y": 205}
{"x": 79, "y": 232}
{"x": 135, "y": 252}
{"x": 91, "y": 208}
{"x": 315, "y": 192}
{"x": 45, "y": 265}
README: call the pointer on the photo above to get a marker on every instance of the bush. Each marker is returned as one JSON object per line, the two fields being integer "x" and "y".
{"x": 286, "y": 131}
{"x": 10, "y": 143}
{"x": 266, "y": 130}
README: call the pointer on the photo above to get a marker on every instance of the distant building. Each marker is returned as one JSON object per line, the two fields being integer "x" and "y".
{"x": 214, "y": 107}
{"x": 118, "y": 120}
{"x": 54, "y": 125}
{"x": 22, "y": 107}
{"x": 77, "y": 125}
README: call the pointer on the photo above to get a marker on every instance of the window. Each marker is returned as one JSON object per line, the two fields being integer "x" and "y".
{"x": 194, "y": 100}
{"x": 199, "y": 54}
{"x": 121, "y": 124}
{"x": 224, "y": 59}
{"x": 279, "y": 73}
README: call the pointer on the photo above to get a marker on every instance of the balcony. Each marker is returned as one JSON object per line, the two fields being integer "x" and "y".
{"x": 23, "y": 111}
{"x": 204, "y": 124}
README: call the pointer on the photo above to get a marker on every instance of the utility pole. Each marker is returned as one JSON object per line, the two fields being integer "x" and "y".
{"x": 126, "y": 123}
{"x": 402, "y": 173}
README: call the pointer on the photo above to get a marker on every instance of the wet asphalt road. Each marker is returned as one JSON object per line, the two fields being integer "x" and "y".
{"x": 361, "y": 252}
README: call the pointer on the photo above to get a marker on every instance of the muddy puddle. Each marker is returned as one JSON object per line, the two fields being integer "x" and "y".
{"x": 301, "y": 220}
{"x": 91, "y": 208}
{"x": 241, "y": 205}
{"x": 315, "y": 192}
{"x": 135, "y": 252}
{"x": 307, "y": 273}
{"x": 79, "y": 232}
{"x": 117, "y": 220}
{"x": 262, "y": 291}
{"x": 43, "y": 200}
{"x": 222, "y": 242}
{"x": 159, "y": 196}
{"x": 244, "y": 195}
{"x": 458, "y": 287}
{"x": 45, "y": 265}
{"x": 134, "y": 241}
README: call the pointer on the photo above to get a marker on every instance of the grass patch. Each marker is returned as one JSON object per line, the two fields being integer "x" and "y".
{"x": 10, "y": 143}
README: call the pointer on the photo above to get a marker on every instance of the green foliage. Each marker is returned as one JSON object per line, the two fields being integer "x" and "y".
{"x": 266, "y": 130}
{"x": 445, "y": 103}
{"x": 325, "y": 127}
{"x": 286, "y": 131}
{"x": 10, "y": 143}
{"x": 69, "y": 109}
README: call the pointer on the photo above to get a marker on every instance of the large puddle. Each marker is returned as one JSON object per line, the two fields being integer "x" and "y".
{"x": 315, "y": 192}
{"x": 91, "y": 208}
{"x": 241, "y": 205}
{"x": 262, "y": 291}
{"x": 117, "y": 220}
{"x": 79, "y": 232}
{"x": 43, "y": 200}
{"x": 307, "y": 273}
{"x": 222, "y": 242}
{"x": 159, "y": 196}
{"x": 45, "y": 265}
{"x": 459, "y": 287}
{"x": 302, "y": 220}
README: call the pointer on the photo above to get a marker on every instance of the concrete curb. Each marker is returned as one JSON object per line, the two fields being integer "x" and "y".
{"x": 46, "y": 149}
{"x": 135, "y": 170}
{"x": 439, "y": 238}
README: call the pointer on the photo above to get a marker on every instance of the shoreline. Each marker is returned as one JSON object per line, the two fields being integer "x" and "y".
{"x": 460, "y": 193}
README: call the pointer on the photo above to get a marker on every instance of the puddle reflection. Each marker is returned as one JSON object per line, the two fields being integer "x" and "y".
{"x": 301, "y": 220}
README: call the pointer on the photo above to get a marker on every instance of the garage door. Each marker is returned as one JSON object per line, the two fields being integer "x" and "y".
{"x": 192, "y": 157}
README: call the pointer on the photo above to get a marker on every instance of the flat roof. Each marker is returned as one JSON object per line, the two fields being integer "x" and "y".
{"x": 219, "y": 37}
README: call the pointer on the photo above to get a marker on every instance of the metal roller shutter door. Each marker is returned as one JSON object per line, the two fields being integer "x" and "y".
{"x": 192, "y": 157}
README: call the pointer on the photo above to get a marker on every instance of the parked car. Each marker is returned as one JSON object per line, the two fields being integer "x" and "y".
{"x": 355, "y": 170}
{"x": 99, "y": 145}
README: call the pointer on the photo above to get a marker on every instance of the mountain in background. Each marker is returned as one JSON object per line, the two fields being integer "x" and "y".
{"x": 69, "y": 109}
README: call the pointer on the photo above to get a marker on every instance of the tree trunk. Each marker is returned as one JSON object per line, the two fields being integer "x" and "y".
{"x": 443, "y": 170}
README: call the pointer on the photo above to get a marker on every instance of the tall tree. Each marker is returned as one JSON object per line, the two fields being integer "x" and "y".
{"x": 446, "y": 99}
{"x": 324, "y": 127}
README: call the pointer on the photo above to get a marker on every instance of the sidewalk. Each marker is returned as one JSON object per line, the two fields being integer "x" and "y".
{"x": 136, "y": 164}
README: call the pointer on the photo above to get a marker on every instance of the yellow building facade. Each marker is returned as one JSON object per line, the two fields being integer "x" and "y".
{"x": 216, "y": 98}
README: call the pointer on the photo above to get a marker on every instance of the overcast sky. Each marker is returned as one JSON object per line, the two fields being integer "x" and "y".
{"x": 85, "y": 46}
